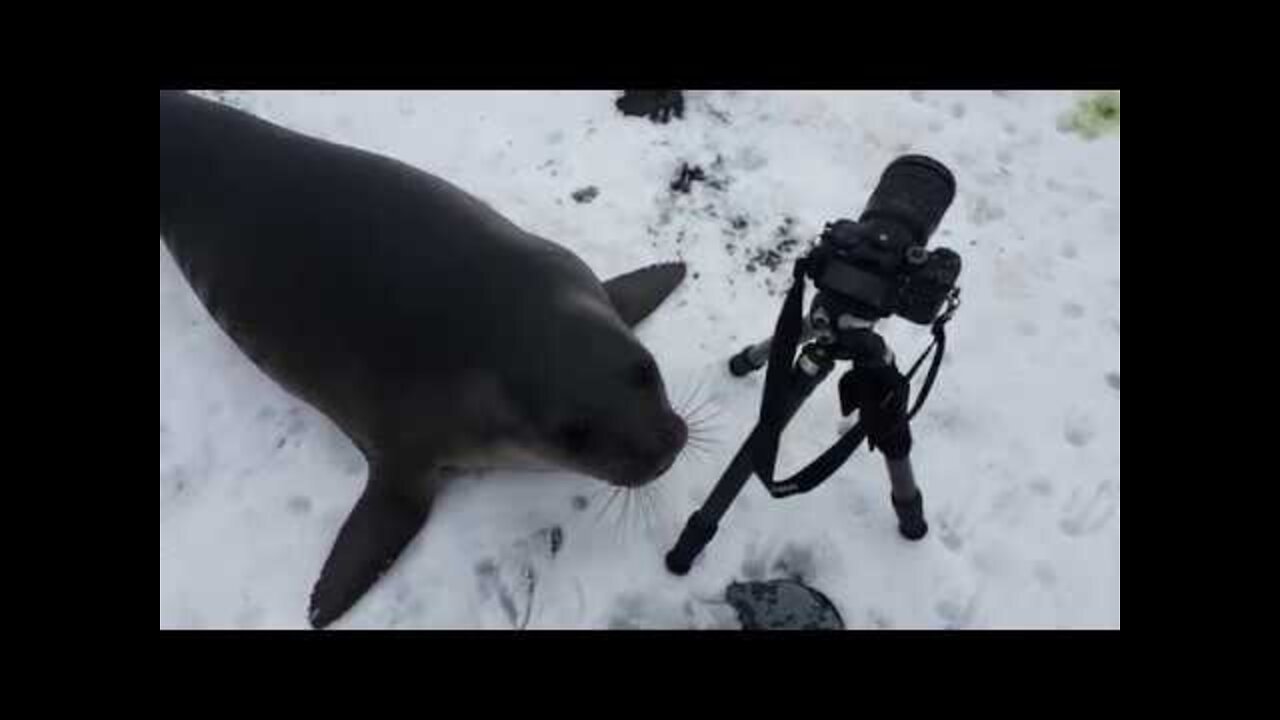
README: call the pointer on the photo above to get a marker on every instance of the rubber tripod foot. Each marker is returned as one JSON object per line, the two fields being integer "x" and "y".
{"x": 911, "y": 522}
{"x": 740, "y": 365}
{"x": 677, "y": 565}
{"x": 697, "y": 533}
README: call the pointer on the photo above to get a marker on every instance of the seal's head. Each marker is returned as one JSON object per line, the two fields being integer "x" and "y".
{"x": 597, "y": 400}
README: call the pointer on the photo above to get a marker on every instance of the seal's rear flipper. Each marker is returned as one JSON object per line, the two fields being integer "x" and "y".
{"x": 638, "y": 293}
{"x": 384, "y": 520}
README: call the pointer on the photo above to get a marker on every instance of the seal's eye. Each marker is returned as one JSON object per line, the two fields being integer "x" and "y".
{"x": 576, "y": 436}
{"x": 644, "y": 375}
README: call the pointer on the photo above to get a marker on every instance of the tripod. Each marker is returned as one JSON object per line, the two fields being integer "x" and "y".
{"x": 874, "y": 386}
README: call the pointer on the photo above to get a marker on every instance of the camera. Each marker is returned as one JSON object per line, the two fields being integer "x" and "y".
{"x": 879, "y": 266}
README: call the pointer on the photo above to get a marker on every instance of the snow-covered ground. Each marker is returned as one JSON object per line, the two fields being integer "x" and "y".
{"x": 1017, "y": 450}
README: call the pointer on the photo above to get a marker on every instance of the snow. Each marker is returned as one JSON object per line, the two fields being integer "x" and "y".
{"x": 1017, "y": 450}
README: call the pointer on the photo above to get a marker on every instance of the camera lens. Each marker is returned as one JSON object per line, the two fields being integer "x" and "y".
{"x": 915, "y": 191}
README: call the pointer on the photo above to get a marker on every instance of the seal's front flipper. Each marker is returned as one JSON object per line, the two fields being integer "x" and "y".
{"x": 638, "y": 293}
{"x": 394, "y": 506}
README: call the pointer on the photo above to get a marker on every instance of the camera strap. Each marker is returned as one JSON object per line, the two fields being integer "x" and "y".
{"x": 773, "y": 417}
{"x": 786, "y": 336}
{"x": 938, "y": 347}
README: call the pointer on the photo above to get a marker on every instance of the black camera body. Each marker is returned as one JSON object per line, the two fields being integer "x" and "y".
{"x": 879, "y": 266}
{"x": 878, "y": 272}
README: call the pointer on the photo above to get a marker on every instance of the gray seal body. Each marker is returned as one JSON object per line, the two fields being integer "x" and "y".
{"x": 427, "y": 327}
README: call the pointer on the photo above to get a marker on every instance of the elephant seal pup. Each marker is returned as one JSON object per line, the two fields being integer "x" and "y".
{"x": 431, "y": 330}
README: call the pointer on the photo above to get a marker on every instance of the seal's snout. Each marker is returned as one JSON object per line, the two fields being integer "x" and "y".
{"x": 673, "y": 433}
{"x": 657, "y": 452}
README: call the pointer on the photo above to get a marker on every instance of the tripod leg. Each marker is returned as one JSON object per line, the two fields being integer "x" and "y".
{"x": 754, "y": 357}
{"x": 902, "y": 478}
{"x": 879, "y": 391}
{"x": 704, "y": 522}
{"x": 908, "y": 501}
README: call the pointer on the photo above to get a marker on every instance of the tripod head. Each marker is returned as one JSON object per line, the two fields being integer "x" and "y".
{"x": 843, "y": 334}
